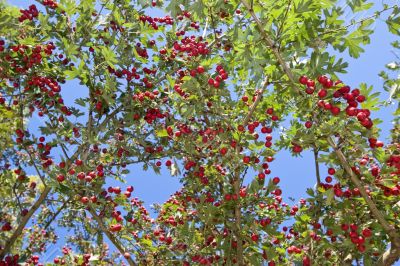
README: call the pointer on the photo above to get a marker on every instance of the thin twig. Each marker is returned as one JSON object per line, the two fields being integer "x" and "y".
{"x": 317, "y": 166}
{"x": 56, "y": 214}
{"x": 377, "y": 14}
{"x": 17, "y": 197}
{"x": 284, "y": 20}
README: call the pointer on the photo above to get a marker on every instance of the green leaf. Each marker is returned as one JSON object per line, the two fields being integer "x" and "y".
{"x": 109, "y": 55}
{"x": 162, "y": 133}
{"x": 393, "y": 21}
{"x": 329, "y": 196}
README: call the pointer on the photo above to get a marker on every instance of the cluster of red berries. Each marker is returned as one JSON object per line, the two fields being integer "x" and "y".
{"x": 143, "y": 211}
{"x": 50, "y": 3}
{"x": 185, "y": 14}
{"x": 46, "y": 85}
{"x": 192, "y": 46}
{"x": 355, "y": 237}
{"x": 2, "y": 44}
{"x": 20, "y": 133}
{"x": 142, "y": 96}
{"x": 45, "y": 149}
{"x": 294, "y": 250}
{"x": 152, "y": 114}
{"x": 266, "y": 170}
{"x": 142, "y": 52}
{"x": 270, "y": 111}
{"x": 190, "y": 164}
{"x": 198, "y": 70}
{"x": 229, "y": 197}
{"x": 34, "y": 259}
{"x": 203, "y": 179}
{"x": 117, "y": 214}
{"x": 124, "y": 72}
{"x": 115, "y": 227}
{"x": 21, "y": 58}
{"x": 151, "y": 149}
{"x": 182, "y": 129}
{"x": 50, "y": 87}
{"x": 28, "y": 14}
{"x": 352, "y": 97}
{"x": 167, "y": 20}
{"x": 387, "y": 191}
{"x": 10, "y": 261}
{"x": 114, "y": 27}
{"x": 162, "y": 236}
{"x": 21, "y": 176}
{"x": 222, "y": 75}
{"x": 6, "y": 227}
{"x": 374, "y": 143}
{"x": 204, "y": 260}
{"x": 394, "y": 161}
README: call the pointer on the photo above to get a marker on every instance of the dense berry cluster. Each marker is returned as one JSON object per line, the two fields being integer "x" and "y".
{"x": 336, "y": 90}
{"x": 156, "y": 22}
{"x": 50, "y": 3}
{"x": 28, "y": 14}
{"x": 221, "y": 75}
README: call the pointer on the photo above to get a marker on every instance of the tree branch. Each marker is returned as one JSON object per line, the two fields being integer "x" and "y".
{"x": 24, "y": 220}
{"x": 109, "y": 235}
{"x": 237, "y": 180}
{"x": 56, "y": 214}
{"x": 272, "y": 46}
{"x": 375, "y": 15}
{"x": 393, "y": 253}
{"x": 390, "y": 256}
{"x": 375, "y": 212}
{"x": 35, "y": 166}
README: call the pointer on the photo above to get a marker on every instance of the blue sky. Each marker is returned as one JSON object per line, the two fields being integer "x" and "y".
{"x": 296, "y": 174}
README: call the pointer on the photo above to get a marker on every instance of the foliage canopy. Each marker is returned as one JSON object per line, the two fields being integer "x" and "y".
{"x": 201, "y": 89}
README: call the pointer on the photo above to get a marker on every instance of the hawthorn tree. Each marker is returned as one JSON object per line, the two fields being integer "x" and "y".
{"x": 202, "y": 90}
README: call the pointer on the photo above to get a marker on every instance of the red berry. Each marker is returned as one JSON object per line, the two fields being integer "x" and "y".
{"x": 303, "y": 80}
{"x": 84, "y": 200}
{"x": 331, "y": 171}
{"x": 310, "y": 83}
{"x": 60, "y": 178}
{"x": 261, "y": 176}
{"x": 322, "y": 93}
{"x": 297, "y": 149}
{"x": 223, "y": 151}
{"x": 276, "y": 180}
{"x": 366, "y": 232}
{"x": 200, "y": 69}
{"x": 254, "y": 237}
